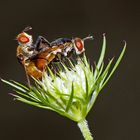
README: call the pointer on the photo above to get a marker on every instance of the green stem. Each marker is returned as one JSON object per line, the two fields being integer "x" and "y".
{"x": 85, "y": 130}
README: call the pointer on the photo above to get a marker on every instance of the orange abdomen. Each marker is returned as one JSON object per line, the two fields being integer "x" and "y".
{"x": 32, "y": 70}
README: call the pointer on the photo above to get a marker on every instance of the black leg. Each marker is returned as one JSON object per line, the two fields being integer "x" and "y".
{"x": 41, "y": 43}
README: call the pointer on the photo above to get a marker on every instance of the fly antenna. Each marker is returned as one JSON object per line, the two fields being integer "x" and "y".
{"x": 89, "y": 37}
{"x": 27, "y": 28}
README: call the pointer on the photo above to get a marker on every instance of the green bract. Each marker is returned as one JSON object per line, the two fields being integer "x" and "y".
{"x": 72, "y": 91}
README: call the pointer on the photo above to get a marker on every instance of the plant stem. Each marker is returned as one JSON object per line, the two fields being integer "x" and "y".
{"x": 83, "y": 125}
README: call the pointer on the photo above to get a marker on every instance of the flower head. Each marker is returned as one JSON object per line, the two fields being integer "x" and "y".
{"x": 72, "y": 90}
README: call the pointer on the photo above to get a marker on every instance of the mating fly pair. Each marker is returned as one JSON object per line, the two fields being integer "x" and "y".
{"x": 35, "y": 57}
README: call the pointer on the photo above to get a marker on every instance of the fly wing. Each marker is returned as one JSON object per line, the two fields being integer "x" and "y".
{"x": 49, "y": 54}
{"x": 60, "y": 41}
{"x": 41, "y": 60}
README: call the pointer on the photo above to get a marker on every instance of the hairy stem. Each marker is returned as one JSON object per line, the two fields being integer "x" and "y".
{"x": 83, "y": 125}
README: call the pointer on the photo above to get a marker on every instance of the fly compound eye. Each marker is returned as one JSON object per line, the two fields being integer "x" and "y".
{"x": 79, "y": 45}
{"x": 23, "y": 39}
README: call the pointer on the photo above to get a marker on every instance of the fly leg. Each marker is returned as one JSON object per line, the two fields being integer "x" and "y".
{"x": 28, "y": 79}
{"x": 22, "y": 60}
{"x": 41, "y": 44}
{"x": 27, "y": 76}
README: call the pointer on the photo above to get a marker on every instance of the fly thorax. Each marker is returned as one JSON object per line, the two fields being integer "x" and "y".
{"x": 27, "y": 52}
{"x": 68, "y": 48}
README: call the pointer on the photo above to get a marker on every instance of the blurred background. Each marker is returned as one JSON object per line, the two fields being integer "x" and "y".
{"x": 116, "y": 114}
